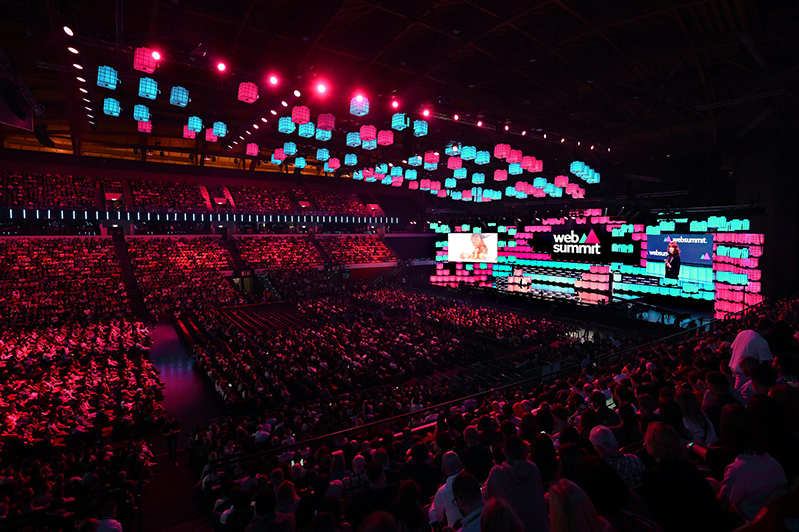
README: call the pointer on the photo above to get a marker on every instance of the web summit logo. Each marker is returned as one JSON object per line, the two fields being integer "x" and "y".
{"x": 574, "y": 243}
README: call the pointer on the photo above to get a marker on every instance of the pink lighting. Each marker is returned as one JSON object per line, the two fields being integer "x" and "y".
{"x": 321, "y": 88}
{"x": 385, "y": 138}
{"x": 248, "y": 92}
{"x": 359, "y": 98}
{"x": 395, "y": 104}
{"x": 368, "y": 133}
{"x": 252, "y": 149}
{"x": 326, "y": 122}
{"x": 456, "y": 118}
{"x": 524, "y": 133}
{"x": 479, "y": 124}
{"x": 507, "y": 127}
{"x": 501, "y": 151}
{"x": 221, "y": 66}
{"x": 187, "y": 133}
{"x": 300, "y": 114}
{"x": 209, "y": 135}
{"x": 273, "y": 80}
{"x": 145, "y": 127}
{"x": 426, "y": 112}
{"x": 156, "y": 55}
{"x": 143, "y": 60}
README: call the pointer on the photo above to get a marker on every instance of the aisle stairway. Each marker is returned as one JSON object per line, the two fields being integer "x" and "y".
{"x": 130, "y": 206}
{"x": 270, "y": 317}
{"x": 206, "y": 198}
{"x": 135, "y": 296}
{"x": 322, "y": 253}
{"x": 230, "y": 245}
{"x": 229, "y": 197}
{"x": 170, "y": 502}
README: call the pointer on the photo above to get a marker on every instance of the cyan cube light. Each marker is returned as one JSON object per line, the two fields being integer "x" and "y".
{"x": 430, "y": 167}
{"x": 450, "y": 182}
{"x": 195, "y": 124}
{"x": 285, "y": 125}
{"x": 482, "y": 157}
{"x": 357, "y": 175}
{"x": 468, "y": 153}
{"x": 386, "y": 180}
{"x": 453, "y": 149}
{"x": 419, "y": 128}
{"x": 381, "y": 168}
{"x": 539, "y": 182}
{"x": 350, "y": 159}
{"x": 459, "y": 173}
{"x": 399, "y": 121}
{"x": 220, "y": 129}
{"x": 369, "y": 144}
{"x": 410, "y": 174}
{"x": 107, "y": 77}
{"x": 353, "y": 139}
{"x": 141, "y": 113}
{"x": 515, "y": 169}
{"x": 556, "y": 192}
{"x": 322, "y": 154}
{"x": 299, "y": 162}
{"x": 416, "y": 160}
{"x": 323, "y": 135}
{"x": 396, "y": 171}
{"x": 456, "y": 195}
{"x": 179, "y": 96}
{"x": 111, "y": 107}
{"x": 289, "y": 148}
{"x": 307, "y": 130}
{"x": 276, "y": 162}
{"x": 478, "y": 179}
{"x": 148, "y": 88}
{"x": 359, "y": 106}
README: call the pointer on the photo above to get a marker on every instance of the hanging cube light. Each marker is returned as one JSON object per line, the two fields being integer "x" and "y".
{"x": 556, "y": 192}
{"x": 107, "y": 77}
{"x": 396, "y": 181}
{"x": 334, "y": 163}
{"x": 450, "y": 182}
{"x": 460, "y": 173}
{"x": 322, "y": 154}
{"x": 453, "y": 163}
{"x": 195, "y": 124}
{"x": 500, "y": 175}
{"x": 501, "y": 151}
{"x": 430, "y": 167}
{"x": 285, "y": 125}
{"x": 413, "y": 185}
{"x": 368, "y": 173}
{"x": 478, "y": 179}
{"x": 300, "y": 114}
{"x": 561, "y": 181}
{"x": 396, "y": 171}
{"x": 326, "y": 122}
{"x": 468, "y": 153}
{"x": 399, "y": 121}
{"x": 515, "y": 169}
{"x": 350, "y": 159}
{"x": 571, "y": 188}
{"x": 279, "y": 154}
{"x": 187, "y": 133}
{"x": 453, "y": 148}
{"x": 368, "y": 133}
{"x": 111, "y": 107}
{"x": 289, "y": 148}
{"x": 148, "y": 88}
{"x": 385, "y": 137}
{"x": 145, "y": 127}
{"x": 299, "y": 162}
{"x": 306, "y": 130}
{"x": 419, "y": 128}
{"x": 276, "y": 162}
{"x": 252, "y": 149}
{"x": 424, "y": 184}
{"x": 327, "y": 168}
{"x": 357, "y": 175}
{"x": 220, "y": 129}
{"x": 456, "y": 195}
{"x": 179, "y": 96}
{"x": 141, "y": 113}
{"x": 386, "y": 180}
{"x": 416, "y": 160}
{"x": 482, "y": 157}
{"x": 369, "y": 144}
{"x": 539, "y": 182}
{"x": 323, "y": 134}
{"x": 381, "y": 168}
{"x": 353, "y": 139}
{"x": 143, "y": 60}
{"x": 359, "y": 106}
{"x": 528, "y": 163}
{"x": 248, "y": 92}
{"x": 430, "y": 157}
{"x": 410, "y": 174}
{"x": 209, "y": 136}
{"x": 515, "y": 156}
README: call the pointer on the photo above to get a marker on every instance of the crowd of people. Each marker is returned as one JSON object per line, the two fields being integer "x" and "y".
{"x": 25, "y": 190}
{"x": 356, "y": 249}
{"x": 333, "y": 203}
{"x": 279, "y": 252}
{"x": 261, "y": 200}
{"x": 53, "y": 280}
{"x": 167, "y": 196}
{"x": 698, "y": 434}
{"x": 179, "y": 274}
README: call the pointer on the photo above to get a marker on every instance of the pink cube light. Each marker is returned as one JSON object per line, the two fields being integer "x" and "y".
{"x": 326, "y": 122}
{"x": 413, "y": 185}
{"x": 145, "y": 127}
{"x": 252, "y": 149}
{"x": 209, "y": 135}
{"x": 453, "y": 163}
{"x": 248, "y": 92}
{"x": 501, "y": 151}
{"x": 500, "y": 175}
{"x": 143, "y": 60}
{"x": 561, "y": 181}
{"x": 385, "y": 138}
{"x": 333, "y": 163}
{"x": 300, "y": 114}
{"x": 431, "y": 157}
{"x": 279, "y": 155}
{"x": 515, "y": 156}
{"x": 187, "y": 133}
{"x": 528, "y": 162}
{"x": 442, "y": 193}
{"x": 368, "y": 133}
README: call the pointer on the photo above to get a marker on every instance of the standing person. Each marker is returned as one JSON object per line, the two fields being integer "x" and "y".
{"x": 673, "y": 262}
{"x": 171, "y": 429}
{"x": 750, "y": 343}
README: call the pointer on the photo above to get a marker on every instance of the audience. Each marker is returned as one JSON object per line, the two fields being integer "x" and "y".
{"x": 291, "y": 253}
{"x": 30, "y": 190}
{"x": 167, "y": 196}
{"x": 261, "y": 200}
{"x": 356, "y": 249}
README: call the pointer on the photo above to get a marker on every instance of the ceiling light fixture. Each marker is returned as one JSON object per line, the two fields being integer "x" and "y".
{"x": 84, "y": 91}
{"x": 79, "y": 67}
{"x": 263, "y": 120}
{"x": 273, "y": 112}
{"x": 157, "y": 55}
{"x": 284, "y": 103}
{"x": 73, "y": 50}
{"x": 426, "y": 112}
{"x": 81, "y": 79}
{"x": 273, "y": 80}
{"x": 221, "y": 67}
{"x": 321, "y": 88}
{"x": 479, "y": 123}
{"x": 456, "y": 118}
{"x": 297, "y": 93}
{"x": 68, "y": 31}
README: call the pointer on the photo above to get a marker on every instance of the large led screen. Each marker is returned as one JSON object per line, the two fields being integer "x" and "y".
{"x": 472, "y": 247}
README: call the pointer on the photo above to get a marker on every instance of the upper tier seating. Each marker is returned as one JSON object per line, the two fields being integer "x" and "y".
{"x": 356, "y": 249}
{"x": 32, "y": 190}
{"x": 261, "y": 200}
{"x": 279, "y": 252}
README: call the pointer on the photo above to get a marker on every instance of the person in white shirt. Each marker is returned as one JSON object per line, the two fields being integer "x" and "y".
{"x": 443, "y": 504}
{"x": 468, "y": 498}
{"x": 750, "y": 343}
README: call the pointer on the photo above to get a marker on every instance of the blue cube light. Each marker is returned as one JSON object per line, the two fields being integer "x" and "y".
{"x": 307, "y": 130}
{"x": 456, "y": 195}
{"x": 276, "y": 162}
{"x": 482, "y": 157}
{"x": 556, "y": 192}
{"x": 179, "y": 96}
{"x": 359, "y": 106}
{"x": 141, "y": 113}
{"x": 299, "y": 162}
{"x": 328, "y": 170}
{"x": 515, "y": 169}
{"x": 459, "y": 173}
{"x": 195, "y": 124}
{"x": 148, "y": 88}
{"x": 107, "y": 77}
{"x": 350, "y": 159}
{"x": 323, "y": 135}
{"x": 220, "y": 129}
{"x": 353, "y": 139}
{"x": 369, "y": 144}
{"x": 539, "y": 182}
{"x": 430, "y": 167}
{"x": 357, "y": 175}
{"x": 450, "y": 182}
{"x": 285, "y": 125}
{"x": 289, "y": 148}
{"x": 468, "y": 153}
{"x": 387, "y": 180}
{"x": 111, "y": 107}
{"x": 410, "y": 174}
{"x": 381, "y": 168}
{"x": 419, "y": 128}
{"x": 453, "y": 148}
{"x": 478, "y": 179}
{"x": 416, "y": 160}
{"x": 322, "y": 154}
{"x": 396, "y": 171}
{"x": 399, "y": 121}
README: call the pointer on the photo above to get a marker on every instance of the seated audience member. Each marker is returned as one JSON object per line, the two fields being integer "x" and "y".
{"x": 518, "y": 482}
{"x": 469, "y": 500}
{"x": 267, "y": 519}
{"x": 749, "y": 343}
{"x": 379, "y": 496}
{"x": 475, "y": 458}
{"x": 694, "y": 419}
{"x": 755, "y": 477}
{"x": 498, "y": 516}
{"x": 570, "y": 510}
{"x": 716, "y": 397}
{"x": 781, "y": 441}
{"x": 426, "y": 475}
{"x": 409, "y": 515}
{"x": 675, "y": 491}
{"x": 443, "y": 506}
{"x": 628, "y": 466}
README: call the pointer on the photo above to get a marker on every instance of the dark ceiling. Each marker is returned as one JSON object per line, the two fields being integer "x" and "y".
{"x": 643, "y": 78}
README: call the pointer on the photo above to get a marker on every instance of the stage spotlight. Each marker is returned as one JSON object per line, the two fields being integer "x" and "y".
{"x": 68, "y": 31}
{"x": 81, "y": 79}
{"x": 545, "y": 135}
{"x": 456, "y": 118}
{"x": 221, "y": 66}
{"x": 263, "y": 120}
{"x": 297, "y": 93}
{"x": 479, "y": 123}
{"x": 426, "y": 112}
{"x": 395, "y": 104}
{"x": 507, "y": 127}
{"x": 608, "y": 149}
{"x": 79, "y": 67}
{"x": 321, "y": 88}
{"x": 524, "y": 133}
{"x": 84, "y": 91}
{"x": 273, "y": 112}
{"x": 359, "y": 98}
{"x": 592, "y": 146}
{"x": 562, "y": 140}
{"x": 73, "y": 50}
{"x": 256, "y": 126}
{"x": 284, "y": 103}
{"x": 157, "y": 55}
{"x": 273, "y": 80}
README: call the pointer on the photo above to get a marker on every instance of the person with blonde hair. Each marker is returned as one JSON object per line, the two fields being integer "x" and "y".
{"x": 571, "y": 510}
{"x": 498, "y": 516}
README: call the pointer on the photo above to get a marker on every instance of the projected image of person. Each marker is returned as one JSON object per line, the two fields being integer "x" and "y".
{"x": 480, "y": 251}
{"x": 673, "y": 262}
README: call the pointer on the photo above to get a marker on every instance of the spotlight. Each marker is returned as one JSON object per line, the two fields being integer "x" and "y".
{"x": 273, "y": 112}
{"x": 562, "y": 140}
{"x": 545, "y": 135}
{"x": 524, "y": 133}
{"x": 87, "y": 108}
{"x": 578, "y": 142}
{"x": 608, "y": 149}
{"x": 81, "y": 79}
{"x": 284, "y": 103}
{"x": 395, "y": 104}
{"x": 479, "y": 123}
{"x": 79, "y": 67}
{"x": 256, "y": 126}
{"x": 456, "y": 118}
{"x": 156, "y": 55}
{"x": 87, "y": 100}
{"x": 321, "y": 88}
{"x": 297, "y": 93}
{"x": 263, "y": 120}
{"x": 90, "y": 116}
{"x": 73, "y": 50}
{"x": 221, "y": 66}
{"x": 84, "y": 91}
{"x": 273, "y": 80}
{"x": 592, "y": 146}
{"x": 359, "y": 98}
{"x": 426, "y": 112}
{"x": 68, "y": 31}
